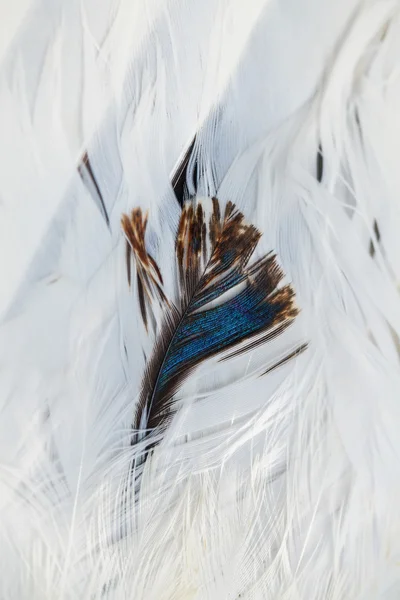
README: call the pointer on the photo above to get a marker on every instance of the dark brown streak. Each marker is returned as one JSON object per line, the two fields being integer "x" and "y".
{"x": 285, "y": 360}
{"x": 371, "y": 249}
{"x": 128, "y": 257}
{"x": 376, "y": 231}
{"x": 178, "y": 179}
{"x": 204, "y": 242}
{"x": 215, "y": 229}
{"x": 156, "y": 268}
{"x": 320, "y": 164}
{"x": 377, "y": 238}
{"x": 86, "y": 164}
{"x": 142, "y": 302}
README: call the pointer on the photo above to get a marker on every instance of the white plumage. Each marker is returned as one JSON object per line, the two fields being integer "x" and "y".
{"x": 282, "y": 487}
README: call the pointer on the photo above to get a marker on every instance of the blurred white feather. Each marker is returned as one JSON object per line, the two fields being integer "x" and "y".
{"x": 295, "y": 492}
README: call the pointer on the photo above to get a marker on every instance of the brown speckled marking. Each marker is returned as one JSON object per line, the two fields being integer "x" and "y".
{"x": 215, "y": 223}
{"x": 149, "y": 279}
{"x": 85, "y": 166}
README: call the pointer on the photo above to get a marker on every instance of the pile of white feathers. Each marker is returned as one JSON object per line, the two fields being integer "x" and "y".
{"x": 287, "y": 486}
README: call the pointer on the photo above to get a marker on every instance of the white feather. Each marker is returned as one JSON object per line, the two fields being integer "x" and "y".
{"x": 281, "y": 487}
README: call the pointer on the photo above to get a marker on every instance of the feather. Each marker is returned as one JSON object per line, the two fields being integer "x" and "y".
{"x": 222, "y": 302}
{"x": 86, "y": 172}
{"x": 149, "y": 278}
{"x": 246, "y": 466}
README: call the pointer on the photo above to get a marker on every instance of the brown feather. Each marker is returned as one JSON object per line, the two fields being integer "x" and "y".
{"x": 149, "y": 278}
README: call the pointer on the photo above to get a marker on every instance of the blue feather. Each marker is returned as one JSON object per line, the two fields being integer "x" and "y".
{"x": 223, "y": 303}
